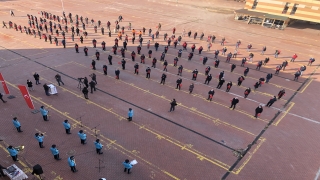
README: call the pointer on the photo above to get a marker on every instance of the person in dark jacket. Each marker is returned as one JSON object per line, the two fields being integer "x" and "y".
{"x": 191, "y": 88}
{"x": 93, "y": 64}
{"x": 1, "y": 98}
{"x": 117, "y": 72}
{"x": 36, "y": 78}
{"x": 86, "y": 82}
{"x": 46, "y": 89}
{"x": 258, "y": 111}
{"x": 234, "y": 102}
{"x": 210, "y": 94}
{"x": 246, "y": 71}
{"x": 30, "y": 86}
{"x": 1, "y": 171}
{"x": 179, "y": 81}
{"x": 105, "y": 69}
{"x": 221, "y": 81}
{"x": 208, "y": 79}
{"x": 173, "y": 105}
{"x": 247, "y": 92}
{"x": 163, "y": 78}
{"x": 281, "y": 93}
{"x": 58, "y": 78}
{"x": 240, "y": 80}
{"x": 256, "y": 85}
{"x": 271, "y": 101}
{"x": 110, "y": 59}
{"x": 233, "y": 66}
{"x": 229, "y": 85}
{"x": 269, "y": 76}
{"x": 92, "y": 86}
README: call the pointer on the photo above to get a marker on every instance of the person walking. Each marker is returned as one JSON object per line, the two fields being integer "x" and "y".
{"x": 281, "y": 93}
{"x": 271, "y": 101}
{"x": 58, "y": 78}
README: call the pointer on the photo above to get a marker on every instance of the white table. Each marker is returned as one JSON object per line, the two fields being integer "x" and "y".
{"x": 18, "y": 174}
{"x": 52, "y": 89}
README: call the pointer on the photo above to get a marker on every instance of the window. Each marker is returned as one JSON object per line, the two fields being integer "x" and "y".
{"x": 294, "y": 9}
{"x": 255, "y": 3}
{"x": 286, "y": 7}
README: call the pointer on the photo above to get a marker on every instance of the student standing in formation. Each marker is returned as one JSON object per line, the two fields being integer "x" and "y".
{"x": 234, "y": 102}
{"x": 173, "y": 104}
{"x": 163, "y": 78}
{"x": 82, "y": 136}
{"x": 67, "y": 126}
{"x": 130, "y": 114}
{"x": 55, "y": 152}
{"x": 16, "y": 124}
{"x": 44, "y": 113}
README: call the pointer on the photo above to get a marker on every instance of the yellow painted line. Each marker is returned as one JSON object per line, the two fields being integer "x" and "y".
{"x": 284, "y": 114}
{"x": 262, "y": 140}
{"x": 306, "y": 86}
{"x": 91, "y": 132}
{"x": 24, "y": 42}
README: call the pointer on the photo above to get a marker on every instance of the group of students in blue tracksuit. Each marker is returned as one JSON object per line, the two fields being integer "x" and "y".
{"x": 83, "y": 137}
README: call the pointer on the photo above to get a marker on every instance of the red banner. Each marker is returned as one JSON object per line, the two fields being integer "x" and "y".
{"x": 6, "y": 90}
{"x": 26, "y": 96}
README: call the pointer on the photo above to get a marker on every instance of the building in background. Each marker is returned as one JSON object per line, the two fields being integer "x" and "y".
{"x": 306, "y": 10}
{"x": 279, "y": 13}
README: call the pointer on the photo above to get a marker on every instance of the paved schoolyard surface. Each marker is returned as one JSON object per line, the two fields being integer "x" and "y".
{"x": 194, "y": 142}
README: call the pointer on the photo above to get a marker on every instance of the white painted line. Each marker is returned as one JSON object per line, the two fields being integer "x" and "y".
{"x": 317, "y": 175}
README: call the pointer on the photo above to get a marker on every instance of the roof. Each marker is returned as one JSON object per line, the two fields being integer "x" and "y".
{"x": 260, "y": 14}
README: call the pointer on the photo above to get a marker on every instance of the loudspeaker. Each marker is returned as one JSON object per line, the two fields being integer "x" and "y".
{"x": 37, "y": 169}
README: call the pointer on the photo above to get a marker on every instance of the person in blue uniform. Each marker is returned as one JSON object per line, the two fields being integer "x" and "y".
{"x": 67, "y": 126}
{"x": 16, "y": 124}
{"x": 40, "y": 138}
{"x": 83, "y": 137}
{"x": 13, "y": 153}
{"x": 55, "y": 152}
{"x": 98, "y": 146}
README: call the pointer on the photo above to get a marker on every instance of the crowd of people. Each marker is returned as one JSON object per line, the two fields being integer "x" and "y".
{"x": 49, "y": 25}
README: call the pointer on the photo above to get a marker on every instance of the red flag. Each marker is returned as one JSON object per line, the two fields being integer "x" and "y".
{"x": 26, "y": 96}
{"x": 4, "y": 85}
